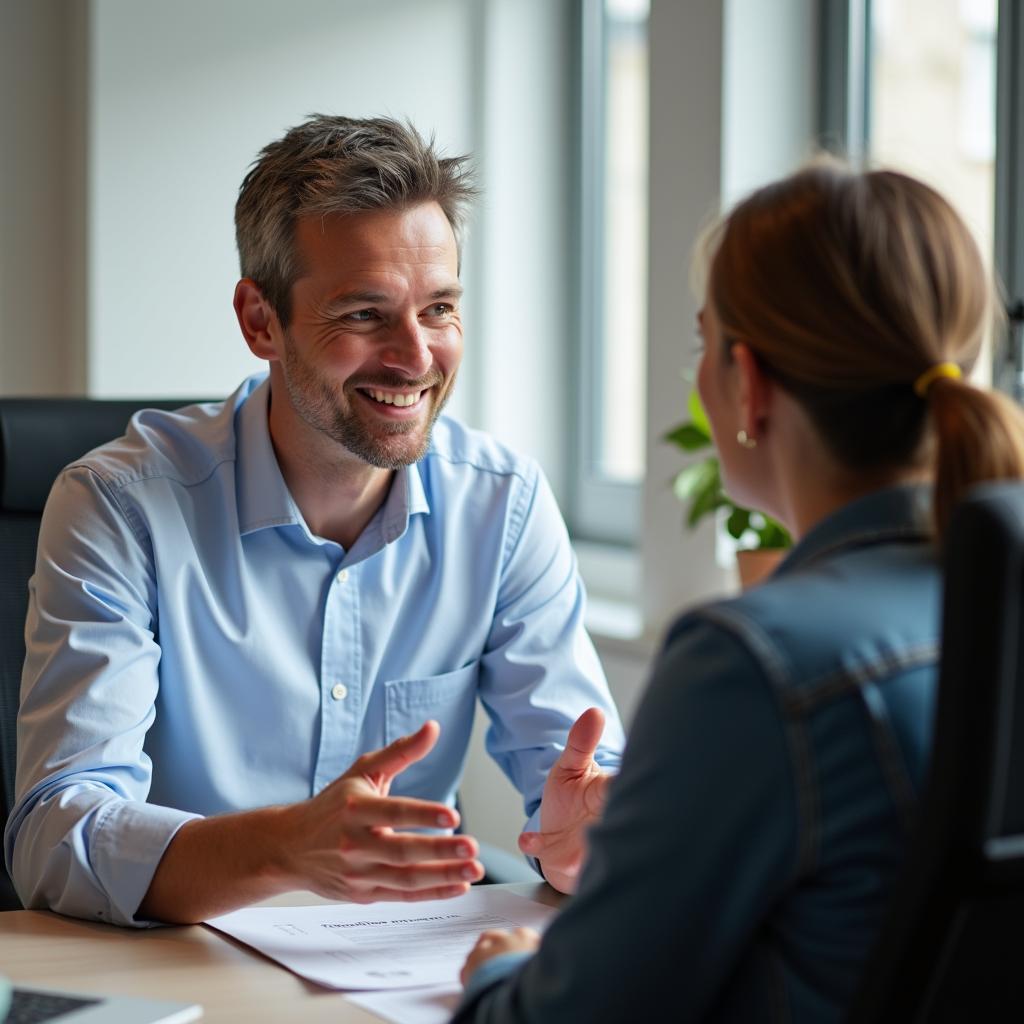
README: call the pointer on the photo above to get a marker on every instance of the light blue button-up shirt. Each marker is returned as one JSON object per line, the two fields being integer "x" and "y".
{"x": 193, "y": 648}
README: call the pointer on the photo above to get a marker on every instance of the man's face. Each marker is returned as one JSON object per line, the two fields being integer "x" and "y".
{"x": 370, "y": 356}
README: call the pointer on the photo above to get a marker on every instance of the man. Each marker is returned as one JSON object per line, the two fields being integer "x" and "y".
{"x": 257, "y": 629}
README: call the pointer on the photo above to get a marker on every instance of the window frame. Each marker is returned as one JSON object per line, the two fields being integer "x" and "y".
{"x": 1008, "y": 368}
{"x": 844, "y": 126}
{"x": 843, "y": 60}
{"x": 601, "y": 510}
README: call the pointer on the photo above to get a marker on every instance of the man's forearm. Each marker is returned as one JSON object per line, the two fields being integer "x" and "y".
{"x": 352, "y": 841}
{"x": 215, "y": 865}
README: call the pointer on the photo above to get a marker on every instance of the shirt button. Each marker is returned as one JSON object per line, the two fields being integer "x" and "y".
{"x": 339, "y": 691}
{"x": 343, "y": 576}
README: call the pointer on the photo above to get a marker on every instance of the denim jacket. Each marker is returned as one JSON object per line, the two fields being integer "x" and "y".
{"x": 751, "y": 840}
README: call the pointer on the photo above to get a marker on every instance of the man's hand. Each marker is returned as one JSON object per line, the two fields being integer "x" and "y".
{"x": 495, "y": 942}
{"x": 344, "y": 844}
{"x": 573, "y": 798}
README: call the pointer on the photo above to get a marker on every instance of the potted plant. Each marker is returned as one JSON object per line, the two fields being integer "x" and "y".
{"x": 761, "y": 541}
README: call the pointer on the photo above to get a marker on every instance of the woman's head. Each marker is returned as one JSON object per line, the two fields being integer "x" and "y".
{"x": 848, "y": 287}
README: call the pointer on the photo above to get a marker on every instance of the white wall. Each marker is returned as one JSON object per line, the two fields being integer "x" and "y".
{"x": 183, "y": 95}
{"x": 685, "y": 183}
{"x": 41, "y": 184}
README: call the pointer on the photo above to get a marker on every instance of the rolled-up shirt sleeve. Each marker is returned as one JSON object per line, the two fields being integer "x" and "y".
{"x": 81, "y": 838}
{"x": 540, "y": 671}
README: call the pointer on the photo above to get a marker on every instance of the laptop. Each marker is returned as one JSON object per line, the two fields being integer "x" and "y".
{"x": 30, "y": 1005}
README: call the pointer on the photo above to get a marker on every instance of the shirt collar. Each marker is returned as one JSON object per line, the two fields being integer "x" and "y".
{"x": 406, "y": 497}
{"x": 893, "y": 514}
{"x": 263, "y": 496}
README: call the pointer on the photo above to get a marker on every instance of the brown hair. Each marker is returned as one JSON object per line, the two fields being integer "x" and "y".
{"x": 330, "y": 165}
{"x": 847, "y": 287}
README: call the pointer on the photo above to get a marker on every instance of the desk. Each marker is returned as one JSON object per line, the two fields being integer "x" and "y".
{"x": 189, "y": 964}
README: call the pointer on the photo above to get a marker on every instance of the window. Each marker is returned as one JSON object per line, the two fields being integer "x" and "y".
{"x": 935, "y": 88}
{"x": 932, "y": 99}
{"x": 610, "y": 437}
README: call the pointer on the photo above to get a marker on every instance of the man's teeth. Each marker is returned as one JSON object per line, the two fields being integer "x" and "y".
{"x": 396, "y": 399}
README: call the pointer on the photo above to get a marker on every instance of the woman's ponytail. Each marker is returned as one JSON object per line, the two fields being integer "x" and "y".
{"x": 979, "y": 435}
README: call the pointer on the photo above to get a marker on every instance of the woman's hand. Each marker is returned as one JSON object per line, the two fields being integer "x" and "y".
{"x": 495, "y": 942}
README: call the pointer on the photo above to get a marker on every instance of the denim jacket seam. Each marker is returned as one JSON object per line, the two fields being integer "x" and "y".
{"x": 865, "y": 680}
{"x": 908, "y": 533}
{"x": 890, "y": 756}
{"x": 798, "y": 744}
{"x": 836, "y": 682}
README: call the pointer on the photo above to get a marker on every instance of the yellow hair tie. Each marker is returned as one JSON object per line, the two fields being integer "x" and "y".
{"x": 932, "y": 374}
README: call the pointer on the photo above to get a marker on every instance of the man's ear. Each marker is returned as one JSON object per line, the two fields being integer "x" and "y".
{"x": 258, "y": 321}
{"x": 757, "y": 391}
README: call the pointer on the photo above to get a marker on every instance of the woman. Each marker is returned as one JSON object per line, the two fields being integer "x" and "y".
{"x": 750, "y": 843}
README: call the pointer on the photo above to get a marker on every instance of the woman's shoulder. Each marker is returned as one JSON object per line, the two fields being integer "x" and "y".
{"x": 863, "y": 614}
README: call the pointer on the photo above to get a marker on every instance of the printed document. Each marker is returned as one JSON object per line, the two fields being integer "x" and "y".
{"x": 434, "y": 1005}
{"x": 382, "y": 945}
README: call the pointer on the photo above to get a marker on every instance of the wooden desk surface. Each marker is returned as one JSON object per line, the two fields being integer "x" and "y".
{"x": 187, "y": 964}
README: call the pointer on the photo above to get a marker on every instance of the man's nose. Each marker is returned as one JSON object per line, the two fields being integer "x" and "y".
{"x": 407, "y": 349}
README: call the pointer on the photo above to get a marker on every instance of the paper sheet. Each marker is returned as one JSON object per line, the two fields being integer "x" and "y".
{"x": 382, "y": 945}
{"x": 411, "y": 1005}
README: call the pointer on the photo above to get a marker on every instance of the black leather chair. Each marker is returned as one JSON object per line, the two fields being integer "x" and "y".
{"x": 38, "y": 437}
{"x": 952, "y": 948}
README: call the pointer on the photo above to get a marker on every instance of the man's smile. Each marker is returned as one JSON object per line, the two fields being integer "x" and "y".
{"x": 400, "y": 399}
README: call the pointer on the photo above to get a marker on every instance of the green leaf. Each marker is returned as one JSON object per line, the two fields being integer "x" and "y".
{"x": 688, "y": 437}
{"x": 695, "y": 479}
{"x": 773, "y": 535}
{"x": 706, "y": 502}
{"x": 697, "y": 413}
{"x": 701, "y": 485}
{"x": 738, "y": 522}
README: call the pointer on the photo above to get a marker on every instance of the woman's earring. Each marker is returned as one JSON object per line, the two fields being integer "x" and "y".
{"x": 745, "y": 439}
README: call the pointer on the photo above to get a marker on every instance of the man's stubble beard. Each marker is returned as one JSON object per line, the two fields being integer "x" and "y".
{"x": 331, "y": 411}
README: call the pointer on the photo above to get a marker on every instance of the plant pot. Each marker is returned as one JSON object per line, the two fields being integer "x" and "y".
{"x": 755, "y": 566}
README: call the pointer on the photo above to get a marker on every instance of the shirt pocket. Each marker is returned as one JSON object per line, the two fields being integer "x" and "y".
{"x": 450, "y": 699}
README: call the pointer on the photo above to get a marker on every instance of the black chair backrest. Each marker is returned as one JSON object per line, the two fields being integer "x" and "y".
{"x": 38, "y": 437}
{"x": 952, "y": 947}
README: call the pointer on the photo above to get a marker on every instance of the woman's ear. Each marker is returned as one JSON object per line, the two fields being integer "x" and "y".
{"x": 756, "y": 392}
{"x": 258, "y": 321}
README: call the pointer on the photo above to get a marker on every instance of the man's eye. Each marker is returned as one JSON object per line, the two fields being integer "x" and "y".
{"x": 361, "y": 315}
{"x": 441, "y": 309}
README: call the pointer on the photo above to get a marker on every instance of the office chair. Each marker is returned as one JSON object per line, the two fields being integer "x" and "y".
{"x": 952, "y": 947}
{"x": 38, "y": 437}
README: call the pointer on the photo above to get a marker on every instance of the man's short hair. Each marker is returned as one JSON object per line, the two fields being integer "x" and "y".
{"x": 331, "y": 165}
